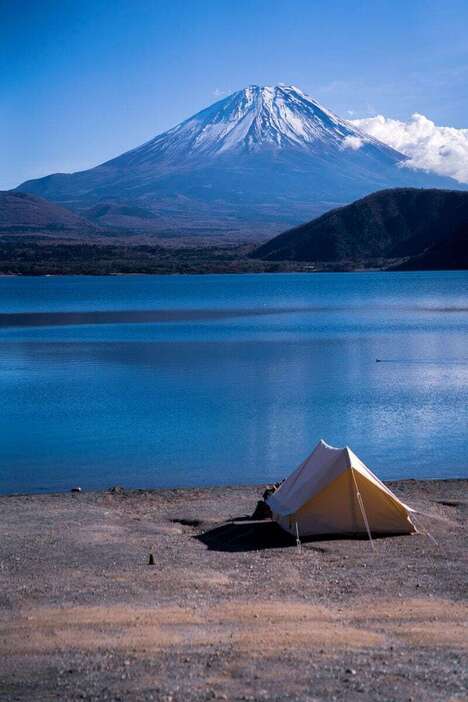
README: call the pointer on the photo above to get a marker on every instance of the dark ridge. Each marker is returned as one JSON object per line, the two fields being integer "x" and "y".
{"x": 392, "y": 224}
{"x": 25, "y": 213}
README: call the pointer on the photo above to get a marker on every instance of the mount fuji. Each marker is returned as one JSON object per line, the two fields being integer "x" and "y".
{"x": 250, "y": 165}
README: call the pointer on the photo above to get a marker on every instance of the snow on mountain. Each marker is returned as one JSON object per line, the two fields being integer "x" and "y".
{"x": 251, "y": 164}
{"x": 276, "y": 117}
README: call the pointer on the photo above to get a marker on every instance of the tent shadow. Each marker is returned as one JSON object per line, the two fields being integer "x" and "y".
{"x": 245, "y": 535}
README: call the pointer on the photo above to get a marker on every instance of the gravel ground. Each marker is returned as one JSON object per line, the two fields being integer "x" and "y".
{"x": 230, "y": 610}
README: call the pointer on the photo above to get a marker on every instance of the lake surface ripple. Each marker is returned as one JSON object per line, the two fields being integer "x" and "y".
{"x": 163, "y": 381}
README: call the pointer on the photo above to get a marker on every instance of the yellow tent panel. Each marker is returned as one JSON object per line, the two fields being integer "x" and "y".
{"x": 333, "y": 492}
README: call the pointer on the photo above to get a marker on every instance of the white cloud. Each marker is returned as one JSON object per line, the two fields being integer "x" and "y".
{"x": 218, "y": 93}
{"x": 352, "y": 142}
{"x": 443, "y": 150}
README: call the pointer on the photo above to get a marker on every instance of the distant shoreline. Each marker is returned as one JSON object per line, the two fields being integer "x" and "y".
{"x": 195, "y": 490}
{"x": 29, "y": 256}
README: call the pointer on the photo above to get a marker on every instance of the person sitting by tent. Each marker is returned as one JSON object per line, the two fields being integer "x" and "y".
{"x": 262, "y": 510}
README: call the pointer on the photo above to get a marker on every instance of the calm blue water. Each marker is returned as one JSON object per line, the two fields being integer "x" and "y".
{"x": 229, "y": 378}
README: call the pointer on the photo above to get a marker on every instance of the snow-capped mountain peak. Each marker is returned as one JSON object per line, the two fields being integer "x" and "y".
{"x": 252, "y": 119}
{"x": 259, "y": 160}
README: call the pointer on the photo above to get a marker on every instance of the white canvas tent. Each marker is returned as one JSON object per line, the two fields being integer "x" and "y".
{"x": 333, "y": 492}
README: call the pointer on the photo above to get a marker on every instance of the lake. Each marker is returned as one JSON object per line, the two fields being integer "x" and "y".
{"x": 164, "y": 381}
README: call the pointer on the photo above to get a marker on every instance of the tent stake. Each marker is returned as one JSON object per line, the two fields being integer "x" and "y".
{"x": 298, "y": 541}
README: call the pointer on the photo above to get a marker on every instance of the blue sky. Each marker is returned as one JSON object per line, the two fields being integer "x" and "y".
{"x": 82, "y": 81}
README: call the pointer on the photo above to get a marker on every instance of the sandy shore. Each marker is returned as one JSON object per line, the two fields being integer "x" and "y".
{"x": 229, "y": 610}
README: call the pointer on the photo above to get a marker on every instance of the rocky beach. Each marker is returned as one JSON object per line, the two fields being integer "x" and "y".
{"x": 230, "y": 609}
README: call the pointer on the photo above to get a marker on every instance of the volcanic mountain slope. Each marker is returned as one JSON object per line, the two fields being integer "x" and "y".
{"x": 398, "y": 223}
{"x": 256, "y": 162}
{"x": 21, "y": 213}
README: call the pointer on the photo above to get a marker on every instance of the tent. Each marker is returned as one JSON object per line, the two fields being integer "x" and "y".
{"x": 333, "y": 492}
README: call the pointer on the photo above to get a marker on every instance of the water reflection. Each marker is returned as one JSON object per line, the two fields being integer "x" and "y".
{"x": 242, "y": 398}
